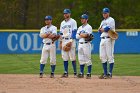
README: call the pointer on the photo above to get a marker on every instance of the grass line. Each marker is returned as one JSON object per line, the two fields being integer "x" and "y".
{"x": 125, "y": 64}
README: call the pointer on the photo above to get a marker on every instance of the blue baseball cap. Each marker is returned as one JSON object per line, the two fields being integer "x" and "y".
{"x": 66, "y": 11}
{"x": 48, "y": 17}
{"x": 84, "y": 16}
{"x": 106, "y": 10}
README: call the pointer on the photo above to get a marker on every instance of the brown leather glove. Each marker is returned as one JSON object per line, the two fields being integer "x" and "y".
{"x": 67, "y": 47}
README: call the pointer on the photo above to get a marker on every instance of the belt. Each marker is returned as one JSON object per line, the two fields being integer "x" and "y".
{"x": 105, "y": 37}
{"x": 66, "y": 38}
{"x": 83, "y": 42}
{"x": 48, "y": 43}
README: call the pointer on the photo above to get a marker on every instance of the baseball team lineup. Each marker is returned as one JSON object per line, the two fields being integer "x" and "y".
{"x": 69, "y": 32}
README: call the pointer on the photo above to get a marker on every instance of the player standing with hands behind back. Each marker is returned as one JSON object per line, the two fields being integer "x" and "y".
{"x": 68, "y": 29}
{"x": 106, "y": 44}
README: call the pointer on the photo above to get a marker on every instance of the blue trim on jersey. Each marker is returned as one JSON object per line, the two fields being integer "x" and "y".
{"x": 107, "y": 28}
{"x": 73, "y": 36}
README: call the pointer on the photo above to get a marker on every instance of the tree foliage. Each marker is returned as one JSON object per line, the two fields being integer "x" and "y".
{"x": 29, "y": 14}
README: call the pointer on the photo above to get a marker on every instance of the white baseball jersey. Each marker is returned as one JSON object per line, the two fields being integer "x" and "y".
{"x": 107, "y": 44}
{"x": 66, "y": 28}
{"x": 69, "y": 25}
{"x": 49, "y": 48}
{"x": 107, "y": 22}
{"x": 46, "y": 29}
{"x": 84, "y": 47}
{"x": 83, "y": 29}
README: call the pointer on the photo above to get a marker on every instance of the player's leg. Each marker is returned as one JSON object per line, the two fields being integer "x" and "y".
{"x": 52, "y": 59}
{"x": 87, "y": 54}
{"x": 65, "y": 58}
{"x": 72, "y": 55}
{"x": 110, "y": 55}
{"x": 103, "y": 57}
{"x": 43, "y": 61}
{"x": 81, "y": 60}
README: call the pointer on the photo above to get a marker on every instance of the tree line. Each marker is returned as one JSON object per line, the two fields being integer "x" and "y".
{"x": 29, "y": 14}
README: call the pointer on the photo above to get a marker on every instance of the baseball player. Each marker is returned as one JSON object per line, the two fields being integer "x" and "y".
{"x": 68, "y": 29}
{"x": 49, "y": 48}
{"x": 84, "y": 47}
{"x": 106, "y": 44}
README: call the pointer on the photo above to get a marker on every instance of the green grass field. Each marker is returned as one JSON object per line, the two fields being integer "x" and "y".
{"x": 125, "y": 64}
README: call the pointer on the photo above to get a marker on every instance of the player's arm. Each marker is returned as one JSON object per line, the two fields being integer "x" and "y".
{"x": 53, "y": 34}
{"x": 90, "y": 30}
{"x": 42, "y": 34}
{"x": 105, "y": 29}
{"x": 100, "y": 29}
{"x": 74, "y": 31}
{"x": 78, "y": 34}
{"x": 60, "y": 32}
{"x": 112, "y": 24}
{"x": 84, "y": 35}
{"x": 87, "y": 33}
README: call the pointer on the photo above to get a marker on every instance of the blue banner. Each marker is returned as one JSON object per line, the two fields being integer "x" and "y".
{"x": 30, "y": 42}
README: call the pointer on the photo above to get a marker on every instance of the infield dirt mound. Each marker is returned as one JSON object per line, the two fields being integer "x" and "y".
{"x": 21, "y": 83}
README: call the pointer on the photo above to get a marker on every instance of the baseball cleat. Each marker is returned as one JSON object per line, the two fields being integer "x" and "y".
{"x": 41, "y": 75}
{"x": 88, "y": 76}
{"x": 109, "y": 76}
{"x": 65, "y": 75}
{"x": 103, "y": 76}
{"x": 80, "y": 76}
{"x": 52, "y": 75}
{"x": 75, "y": 75}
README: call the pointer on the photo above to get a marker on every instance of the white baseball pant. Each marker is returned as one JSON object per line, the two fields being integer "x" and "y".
{"x": 84, "y": 54}
{"x": 48, "y": 50}
{"x": 107, "y": 50}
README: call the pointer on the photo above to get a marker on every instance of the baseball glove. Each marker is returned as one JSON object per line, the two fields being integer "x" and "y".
{"x": 56, "y": 37}
{"x": 67, "y": 47}
{"x": 89, "y": 37}
{"x": 112, "y": 34}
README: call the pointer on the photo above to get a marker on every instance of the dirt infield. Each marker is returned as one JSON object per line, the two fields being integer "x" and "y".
{"x": 12, "y": 83}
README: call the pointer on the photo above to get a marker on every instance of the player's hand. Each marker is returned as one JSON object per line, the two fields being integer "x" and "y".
{"x": 83, "y": 35}
{"x": 47, "y": 35}
{"x": 51, "y": 36}
{"x": 101, "y": 30}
